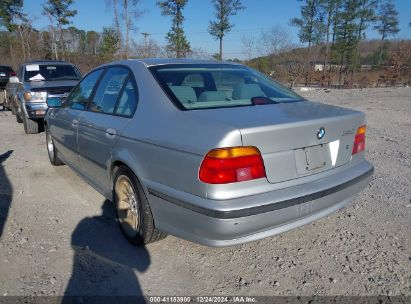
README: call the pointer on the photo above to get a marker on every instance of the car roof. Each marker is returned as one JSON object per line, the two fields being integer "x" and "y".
{"x": 163, "y": 61}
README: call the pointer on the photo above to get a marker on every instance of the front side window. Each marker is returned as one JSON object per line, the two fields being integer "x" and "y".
{"x": 108, "y": 90}
{"x": 50, "y": 72}
{"x": 226, "y": 86}
{"x": 80, "y": 95}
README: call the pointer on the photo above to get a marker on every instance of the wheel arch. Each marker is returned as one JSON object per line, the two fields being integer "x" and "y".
{"x": 115, "y": 164}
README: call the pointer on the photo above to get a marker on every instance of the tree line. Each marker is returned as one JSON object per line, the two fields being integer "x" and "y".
{"x": 337, "y": 51}
{"x": 341, "y": 25}
{"x": 62, "y": 40}
{"x": 331, "y": 30}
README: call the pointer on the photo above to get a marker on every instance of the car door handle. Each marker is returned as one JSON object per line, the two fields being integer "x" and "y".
{"x": 74, "y": 123}
{"x": 111, "y": 132}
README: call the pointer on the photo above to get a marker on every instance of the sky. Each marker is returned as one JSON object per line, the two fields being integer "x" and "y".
{"x": 259, "y": 15}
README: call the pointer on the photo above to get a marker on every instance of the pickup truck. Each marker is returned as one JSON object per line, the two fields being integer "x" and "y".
{"x": 35, "y": 81}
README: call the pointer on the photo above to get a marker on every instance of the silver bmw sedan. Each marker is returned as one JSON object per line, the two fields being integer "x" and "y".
{"x": 212, "y": 152}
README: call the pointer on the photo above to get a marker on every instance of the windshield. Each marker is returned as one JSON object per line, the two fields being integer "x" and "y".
{"x": 51, "y": 72}
{"x": 218, "y": 86}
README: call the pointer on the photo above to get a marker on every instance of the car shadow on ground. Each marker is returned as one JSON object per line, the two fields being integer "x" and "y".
{"x": 6, "y": 192}
{"x": 104, "y": 262}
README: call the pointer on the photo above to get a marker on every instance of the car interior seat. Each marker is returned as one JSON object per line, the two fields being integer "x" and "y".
{"x": 185, "y": 94}
{"x": 247, "y": 91}
{"x": 212, "y": 96}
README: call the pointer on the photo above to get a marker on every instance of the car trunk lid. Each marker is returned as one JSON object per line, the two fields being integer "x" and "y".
{"x": 289, "y": 135}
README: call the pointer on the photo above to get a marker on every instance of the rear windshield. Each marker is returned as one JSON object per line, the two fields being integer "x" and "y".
{"x": 218, "y": 86}
{"x": 50, "y": 72}
{"x": 5, "y": 70}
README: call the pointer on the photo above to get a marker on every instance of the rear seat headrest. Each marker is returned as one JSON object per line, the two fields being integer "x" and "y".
{"x": 247, "y": 91}
{"x": 211, "y": 96}
{"x": 184, "y": 94}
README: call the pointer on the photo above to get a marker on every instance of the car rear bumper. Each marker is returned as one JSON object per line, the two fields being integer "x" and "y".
{"x": 271, "y": 213}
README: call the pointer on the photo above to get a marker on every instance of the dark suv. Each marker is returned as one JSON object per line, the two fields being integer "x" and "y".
{"x": 37, "y": 80}
{"x": 5, "y": 73}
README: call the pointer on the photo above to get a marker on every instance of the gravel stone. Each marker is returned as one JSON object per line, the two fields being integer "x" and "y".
{"x": 365, "y": 243}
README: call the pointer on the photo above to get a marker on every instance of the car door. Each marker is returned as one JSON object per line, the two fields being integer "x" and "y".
{"x": 108, "y": 113}
{"x": 65, "y": 122}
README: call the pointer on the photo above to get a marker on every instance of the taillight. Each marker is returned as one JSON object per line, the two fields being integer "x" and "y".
{"x": 359, "y": 141}
{"x": 231, "y": 165}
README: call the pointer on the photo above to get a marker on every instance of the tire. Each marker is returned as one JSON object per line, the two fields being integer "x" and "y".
{"x": 52, "y": 150}
{"x": 3, "y": 100}
{"x": 18, "y": 118}
{"x": 6, "y": 105}
{"x": 30, "y": 126}
{"x": 133, "y": 210}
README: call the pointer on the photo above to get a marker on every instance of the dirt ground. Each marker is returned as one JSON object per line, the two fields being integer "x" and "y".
{"x": 59, "y": 236}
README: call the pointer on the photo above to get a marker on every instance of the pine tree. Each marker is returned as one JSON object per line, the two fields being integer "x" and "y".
{"x": 223, "y": 10}
{"x": 177, "y": 41}
{"x": 310, "y": 27}
{"x": 10, "y": 12}
{"x": 387, "y": 23}
{"x": 366, "y": 15}
{"x": 329, "y": 9}
{"x": 58, "y": 11}
{"x": 346, "y": 36}
{"x": 110, "y": 43}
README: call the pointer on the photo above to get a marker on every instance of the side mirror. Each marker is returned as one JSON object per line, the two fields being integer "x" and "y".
{"x": 54, "y": 102}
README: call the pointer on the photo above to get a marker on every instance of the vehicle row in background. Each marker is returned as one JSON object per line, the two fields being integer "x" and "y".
{"x": 6, "y": 73}
{"x": 27, "y": 91}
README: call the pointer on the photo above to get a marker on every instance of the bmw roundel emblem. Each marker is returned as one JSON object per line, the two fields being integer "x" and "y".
{"x": 321, "y": 133}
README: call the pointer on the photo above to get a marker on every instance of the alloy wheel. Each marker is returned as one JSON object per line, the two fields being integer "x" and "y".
{"x": 127, "y": 205}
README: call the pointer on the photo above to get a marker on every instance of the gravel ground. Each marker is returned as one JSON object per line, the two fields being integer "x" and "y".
{"x": 59, "y": 235}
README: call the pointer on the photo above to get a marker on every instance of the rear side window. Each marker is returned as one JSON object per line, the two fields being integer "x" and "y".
{"x": 108, "y": 91}
{"x": 127, "y": 102}
{"x": 80, "y": 95}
